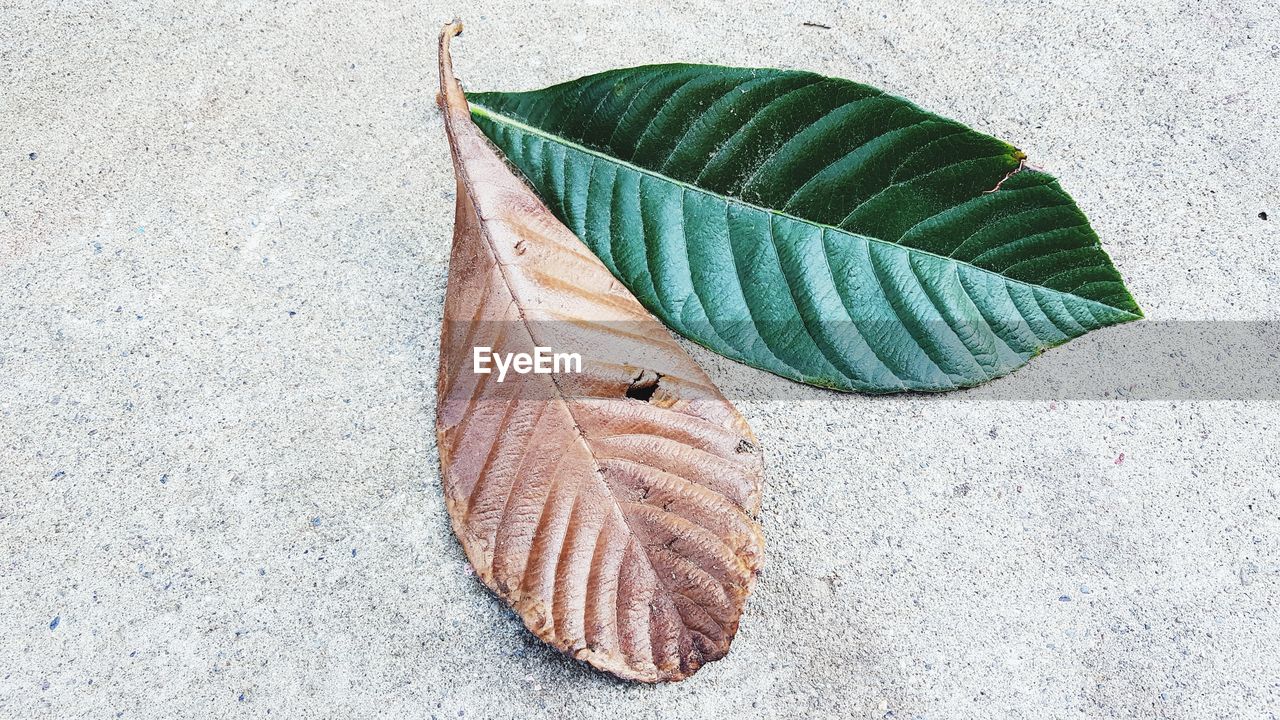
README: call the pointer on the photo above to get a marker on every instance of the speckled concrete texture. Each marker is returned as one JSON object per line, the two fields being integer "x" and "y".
{"x": 223, "y": 241}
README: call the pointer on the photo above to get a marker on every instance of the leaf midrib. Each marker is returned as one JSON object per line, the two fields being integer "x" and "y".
{"x": 483, "y": 111}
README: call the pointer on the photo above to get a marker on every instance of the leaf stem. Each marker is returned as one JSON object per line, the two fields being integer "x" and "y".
{"x": 452, "y": 100}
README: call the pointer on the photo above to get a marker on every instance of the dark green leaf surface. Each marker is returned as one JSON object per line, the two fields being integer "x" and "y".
{"x": 811, "y": 226}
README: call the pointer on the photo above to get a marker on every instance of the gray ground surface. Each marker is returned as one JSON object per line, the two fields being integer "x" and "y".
{"x": 220, "y": 288}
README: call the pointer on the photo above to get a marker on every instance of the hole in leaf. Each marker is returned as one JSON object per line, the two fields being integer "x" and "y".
{"x": 643, "y": 386}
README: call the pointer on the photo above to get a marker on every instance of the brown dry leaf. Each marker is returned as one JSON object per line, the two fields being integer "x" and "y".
{"x": 612, "y": 508}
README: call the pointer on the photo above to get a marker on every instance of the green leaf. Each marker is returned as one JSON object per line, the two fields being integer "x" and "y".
{"x": 811, "y": 226}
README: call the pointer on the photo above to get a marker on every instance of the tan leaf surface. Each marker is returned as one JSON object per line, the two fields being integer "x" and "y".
{"x": 613, "y": 508}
